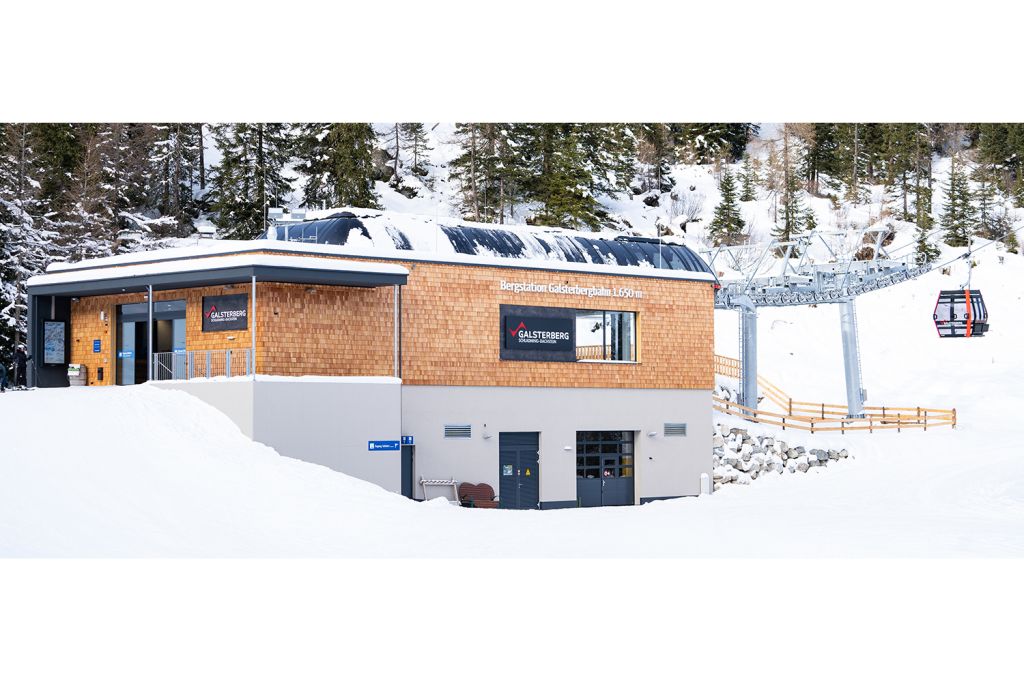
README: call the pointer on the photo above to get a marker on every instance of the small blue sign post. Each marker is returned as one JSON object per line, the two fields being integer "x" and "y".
{"x": 408, "y": 440}
{"x": 378, "y": 445}
{"x": 96, "y": 346}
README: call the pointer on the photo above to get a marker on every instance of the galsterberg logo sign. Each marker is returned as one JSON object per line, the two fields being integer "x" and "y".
{"x": 225, "y": 313}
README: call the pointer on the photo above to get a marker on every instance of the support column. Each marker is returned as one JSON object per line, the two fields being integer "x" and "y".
{"x": 851, "y": 358}
{"x": 748, "y": 357}
{"x": 149, "y": 334}
{"x": 252, "y": 326}
{"x": 30, "y": 343}
{"x": 397, "y": 331}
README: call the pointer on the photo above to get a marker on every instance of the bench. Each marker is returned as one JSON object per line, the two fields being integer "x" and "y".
{"x": 477, "y": 495}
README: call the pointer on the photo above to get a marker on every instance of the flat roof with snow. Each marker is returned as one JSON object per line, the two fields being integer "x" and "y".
{"x": 105, "y": 277}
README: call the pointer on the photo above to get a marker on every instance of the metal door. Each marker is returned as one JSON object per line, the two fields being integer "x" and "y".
{"x": 407, "y": 455}
{"x": 518, "y": 470}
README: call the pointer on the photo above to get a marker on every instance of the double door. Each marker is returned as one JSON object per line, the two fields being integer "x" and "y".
{"x": 519, "y": 470}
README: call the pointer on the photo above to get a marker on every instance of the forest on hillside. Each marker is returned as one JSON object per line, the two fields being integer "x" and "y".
{"x": 70, "y": 191}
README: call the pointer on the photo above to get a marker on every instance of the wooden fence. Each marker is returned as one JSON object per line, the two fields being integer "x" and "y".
{"x": 808, "y": 416}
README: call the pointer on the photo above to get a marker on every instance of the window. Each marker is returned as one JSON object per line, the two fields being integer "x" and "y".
{"x": 604, "y": 454}
{"x": 606, "y": 335}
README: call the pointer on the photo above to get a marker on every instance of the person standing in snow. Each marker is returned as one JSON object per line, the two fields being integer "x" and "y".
{"x": 3, "y": 375}
{"x": 21, "y": 358}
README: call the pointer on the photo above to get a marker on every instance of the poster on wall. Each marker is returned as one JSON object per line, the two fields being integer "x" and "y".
{"x": 54, "y": 333}
{"x": 225, "y": 313}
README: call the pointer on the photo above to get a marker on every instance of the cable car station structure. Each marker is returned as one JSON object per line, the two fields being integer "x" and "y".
{"x": 799, "y": 281}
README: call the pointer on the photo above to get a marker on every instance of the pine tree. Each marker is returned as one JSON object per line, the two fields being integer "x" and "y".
{"x": 392, "y": 143}
{"x": 654, "y": 154}
{"x": 28, "y": 235}
{"x": 748, "y": 180}
{"x": 1012, "y": 245}
{"x": 337, "y": 159}
{"x": 958, "y": 211}
{"x": 727, "y": 225}
{"x": 250, "y": 177}
{"x": 792, "y": 216}
{"x": 851, "y": 159}
{"x": 559, "y": 177}
{"x": 416, "y": 144}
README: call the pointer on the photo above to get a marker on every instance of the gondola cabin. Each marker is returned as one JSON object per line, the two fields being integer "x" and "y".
{"x": 960, "y": 313}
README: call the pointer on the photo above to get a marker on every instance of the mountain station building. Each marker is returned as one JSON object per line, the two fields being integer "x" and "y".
{"x": 563, "y": 370}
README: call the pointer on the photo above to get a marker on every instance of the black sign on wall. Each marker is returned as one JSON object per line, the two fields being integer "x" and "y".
{"x": 225, "y": 313}
{"x": 539, "y": 334}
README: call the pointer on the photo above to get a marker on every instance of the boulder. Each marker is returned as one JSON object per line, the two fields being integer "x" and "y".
{"x": 717, "y": 441}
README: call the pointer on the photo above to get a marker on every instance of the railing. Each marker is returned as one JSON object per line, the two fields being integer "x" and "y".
{"x": 190, "y": 364}
{"x": 808, "y": 416}
{"x": 592, "y": 352}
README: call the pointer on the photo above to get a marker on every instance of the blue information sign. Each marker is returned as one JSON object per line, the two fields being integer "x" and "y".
{"x": 408, "y": 440}
{"x": 375, "y": 445}
{"x": 126, "y": 354}
{"x": 96, "y": 346}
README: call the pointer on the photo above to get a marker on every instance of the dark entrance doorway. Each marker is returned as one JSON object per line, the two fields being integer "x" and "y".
{"x": 604, "y": 468}
{"x": 518, "y": 470}
{"x": 133, "y": 345}
{"x": 408, "y": 453}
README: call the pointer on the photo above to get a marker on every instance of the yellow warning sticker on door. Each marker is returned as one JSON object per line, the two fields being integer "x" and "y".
{"x": 527, "y": 472}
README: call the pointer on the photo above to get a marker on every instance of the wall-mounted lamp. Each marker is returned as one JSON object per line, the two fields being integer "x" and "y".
{"x": 652, "y": 434}
{"x": 567, "y": 448}
{"x": 103, "y": 316}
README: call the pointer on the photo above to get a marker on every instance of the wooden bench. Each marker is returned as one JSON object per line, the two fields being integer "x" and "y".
{"x": 477, "y": 495}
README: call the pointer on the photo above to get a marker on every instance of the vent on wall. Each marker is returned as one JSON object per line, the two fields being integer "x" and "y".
{"x": 458, "y": 431}
{"x": 675, "y": 429}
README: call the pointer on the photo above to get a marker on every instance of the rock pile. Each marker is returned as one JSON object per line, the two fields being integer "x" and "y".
{"x": 742, "y": 458}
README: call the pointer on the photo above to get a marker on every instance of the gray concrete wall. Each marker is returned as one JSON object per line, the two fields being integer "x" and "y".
{"x": 665, "y": 466}
{"x": 233, "y": 398}
{"x": 330, "y": 423}
{"x": 324, "y": 422}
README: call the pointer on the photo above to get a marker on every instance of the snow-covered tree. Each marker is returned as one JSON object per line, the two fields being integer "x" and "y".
{"x": 250, "y": 177}
{"x": 337, "y": 160}
{"x": 727, "y": 225}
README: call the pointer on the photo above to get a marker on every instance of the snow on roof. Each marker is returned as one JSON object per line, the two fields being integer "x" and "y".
{"x": 410, "y": 237}
{"x": 183, "y": 264}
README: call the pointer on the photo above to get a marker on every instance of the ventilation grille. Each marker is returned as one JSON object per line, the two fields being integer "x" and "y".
{"x": 675, "y": 429}
{"x": 458, "y": 431}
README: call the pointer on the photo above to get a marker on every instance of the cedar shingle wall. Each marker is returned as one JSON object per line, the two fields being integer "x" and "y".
{"x": 86, "y": 326}
{"x": 450, "y": 329}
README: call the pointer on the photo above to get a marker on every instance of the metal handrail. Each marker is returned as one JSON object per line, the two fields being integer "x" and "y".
{"x": 191, "y": 364}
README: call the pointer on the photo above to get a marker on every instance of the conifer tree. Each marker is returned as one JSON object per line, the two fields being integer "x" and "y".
{"x": 337, "y": 159}
{"x": 958, "y": 211}
{"x": 416, "y": 144}
{"x": 791, "y": 220}
{"x": 654, "y": 153}
{"x": 727, "y": 225}
{"x": 28, "y": 234}
{"x": 748, "y": 180}
{"x": 250, "y": 177}
{"x": 1012, "y": 244}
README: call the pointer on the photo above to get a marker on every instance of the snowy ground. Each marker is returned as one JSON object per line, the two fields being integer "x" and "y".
{"x": 144, "y": 472}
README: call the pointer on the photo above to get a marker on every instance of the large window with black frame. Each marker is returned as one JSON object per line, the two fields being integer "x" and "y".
{"x": 606, "y": 336}
{"x": 604, "y": 468}
{"x": 604, "y": 454}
